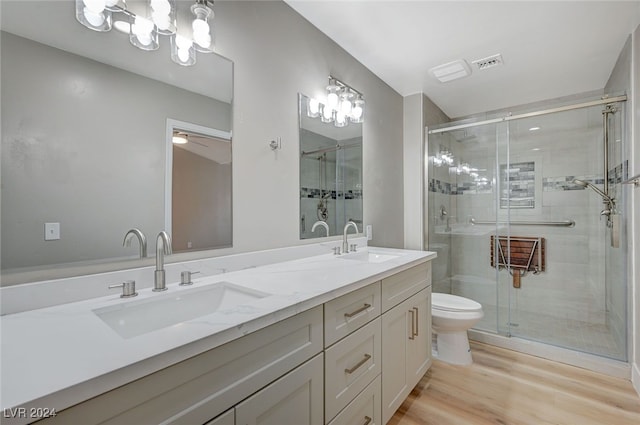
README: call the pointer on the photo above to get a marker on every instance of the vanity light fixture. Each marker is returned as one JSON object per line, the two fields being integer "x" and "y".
{"x": 344, "y": 104}
{"x": 151, "y": 19}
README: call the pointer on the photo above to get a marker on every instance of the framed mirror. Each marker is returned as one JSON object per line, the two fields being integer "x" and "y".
{"x": 330, "y": 174}
{"x": 87, "y": 126}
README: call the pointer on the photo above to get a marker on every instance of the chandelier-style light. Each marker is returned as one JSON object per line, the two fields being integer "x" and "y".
{"x": 153, "y": 18}
{"x": 344, "y": 104}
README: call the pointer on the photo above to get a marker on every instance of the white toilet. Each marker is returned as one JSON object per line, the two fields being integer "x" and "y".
{"x": 451, "y": 316}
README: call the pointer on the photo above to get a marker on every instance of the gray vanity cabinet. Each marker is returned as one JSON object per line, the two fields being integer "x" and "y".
{"x": 352, "y": 360}
{"x": 406, "y": 335}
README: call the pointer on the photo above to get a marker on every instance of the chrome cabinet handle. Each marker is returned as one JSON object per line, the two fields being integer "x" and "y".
{"x": 360, "y": 363}
{"x": 360, "y": 310}
{"x": 417, "y": 320}
{"x": 413, "y": 324}
{"x": 367, "y": 420}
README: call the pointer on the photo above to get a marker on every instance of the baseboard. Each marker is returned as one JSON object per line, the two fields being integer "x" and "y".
{"x": 635, "y": 377}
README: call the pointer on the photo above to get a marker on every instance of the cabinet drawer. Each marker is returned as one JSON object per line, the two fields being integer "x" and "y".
{"x": 350, "y": 365}
{"x": 204, "y": 386}
{"x": 401, "y": 286}
{"x": 365, "y": 409}
{"x": 350, "y": 312}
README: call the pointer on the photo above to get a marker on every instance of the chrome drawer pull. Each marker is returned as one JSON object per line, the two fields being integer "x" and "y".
{"x": 360, "y": 363}
{"x": 367, "y": 420}
{"x": 413, "y": 324}
{"x": 360, "y": 310}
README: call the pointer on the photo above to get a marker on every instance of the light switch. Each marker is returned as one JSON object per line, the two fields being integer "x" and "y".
{"x": 51, "y": 231}
{"x": 369, "y": 232}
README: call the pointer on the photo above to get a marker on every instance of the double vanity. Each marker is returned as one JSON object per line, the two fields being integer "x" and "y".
{"x": 321, "y": 339}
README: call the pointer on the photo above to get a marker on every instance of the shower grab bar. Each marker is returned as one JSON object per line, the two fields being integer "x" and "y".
{"x": 635, "y": 180}
{"x": 565, "y": 223}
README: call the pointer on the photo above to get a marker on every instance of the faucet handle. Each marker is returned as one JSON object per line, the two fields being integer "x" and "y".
{"x": 185, "y": 277}
{"x": 353, "y": 247}
{"x": 128, "y": 288}
{"x": 336, "y": 250}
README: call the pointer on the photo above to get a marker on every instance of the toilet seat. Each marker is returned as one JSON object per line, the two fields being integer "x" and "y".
{"x": 453, "y": 303}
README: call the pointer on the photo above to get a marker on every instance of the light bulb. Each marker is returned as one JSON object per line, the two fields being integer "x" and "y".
{"x": 313, "y": 109}
{"x": 111, "y": 3}
{"x": 142, "y": 28}
{"x": 341, "y": 119}
{"x": 345, "y": 107}
{"x": 357, "y": 110}
{"x": 332, "y": 101}
{"x": 94, "y": 18}
{"x": 201, "y": 33}
{"x": 162, "y": 7}
{"x": 95, "y": 6}
{"x": 327, "y": 114}
{"x": 183, "y": 44}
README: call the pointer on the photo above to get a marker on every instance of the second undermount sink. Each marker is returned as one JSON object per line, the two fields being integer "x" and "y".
{"x": 134, "y": 318}
{"x": 370, "y": 256}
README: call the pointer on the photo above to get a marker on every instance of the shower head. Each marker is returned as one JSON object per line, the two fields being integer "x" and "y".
{"x": 583, "y": 183}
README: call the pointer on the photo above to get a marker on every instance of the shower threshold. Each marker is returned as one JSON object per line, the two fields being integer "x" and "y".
{"x": 588, "y": 361}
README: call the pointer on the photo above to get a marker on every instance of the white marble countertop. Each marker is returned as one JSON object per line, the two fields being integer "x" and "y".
{"x": 58, "y": 356}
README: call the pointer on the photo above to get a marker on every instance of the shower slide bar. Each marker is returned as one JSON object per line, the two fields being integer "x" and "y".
{"x": 604, "y": 101}
{"x": 565, "y": 223}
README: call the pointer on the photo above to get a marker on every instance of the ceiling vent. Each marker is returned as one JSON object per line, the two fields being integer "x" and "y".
{"x": 451, "y": 71}
{"x": 488, "y": 62}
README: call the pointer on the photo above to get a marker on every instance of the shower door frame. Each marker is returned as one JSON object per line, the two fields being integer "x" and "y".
{"x": 505, "y": 119}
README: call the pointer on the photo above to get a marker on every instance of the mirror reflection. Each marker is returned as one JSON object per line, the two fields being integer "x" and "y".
{"x": 86, "y": 121}
{"x": 330, "y": 175}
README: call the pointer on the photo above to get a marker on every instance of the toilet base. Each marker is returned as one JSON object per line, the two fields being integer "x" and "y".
{"x": 453, "y": 347}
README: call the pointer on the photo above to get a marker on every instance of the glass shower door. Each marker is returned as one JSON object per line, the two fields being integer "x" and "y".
{"x": 567, "y": 302}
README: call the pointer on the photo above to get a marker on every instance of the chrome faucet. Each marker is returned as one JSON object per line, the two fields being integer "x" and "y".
{"x": 163, "y": 246}
{"x": 320, "y": 223}
{"x": 345, "y": 243}
{"x": 142, "y": 240}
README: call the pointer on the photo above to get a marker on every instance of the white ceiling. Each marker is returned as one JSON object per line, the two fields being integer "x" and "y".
{"x": 550, "y": 49}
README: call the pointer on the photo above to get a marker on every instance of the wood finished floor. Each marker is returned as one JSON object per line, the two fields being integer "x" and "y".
{"x": 506, "y": 387}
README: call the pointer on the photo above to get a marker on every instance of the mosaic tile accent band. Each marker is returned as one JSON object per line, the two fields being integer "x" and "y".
{"x": 306, "y": 192}
{"x": 549, "y": 184}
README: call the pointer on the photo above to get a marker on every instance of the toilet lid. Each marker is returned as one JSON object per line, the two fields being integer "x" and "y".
{"x": 450, "y": 302}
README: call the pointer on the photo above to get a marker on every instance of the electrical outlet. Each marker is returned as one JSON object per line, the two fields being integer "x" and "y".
{"x": 51, "y": 231}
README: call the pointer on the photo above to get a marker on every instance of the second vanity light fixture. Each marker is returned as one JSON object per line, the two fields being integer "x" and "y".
{"x": 145, "y": 20}
{"x": 344, "y": 104}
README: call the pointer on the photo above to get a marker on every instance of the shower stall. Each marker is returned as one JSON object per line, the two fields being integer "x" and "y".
{"x": 526, "y": 211}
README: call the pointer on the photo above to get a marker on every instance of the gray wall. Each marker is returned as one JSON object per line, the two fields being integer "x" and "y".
{"x": 277, "y": 54}
{"x": 419, "y": 112}
{"x": 83, "y": 145}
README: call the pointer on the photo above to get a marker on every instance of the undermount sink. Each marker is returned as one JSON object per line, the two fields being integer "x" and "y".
{"x": 130, "y": 319}
{"x": 370, "y": 256}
